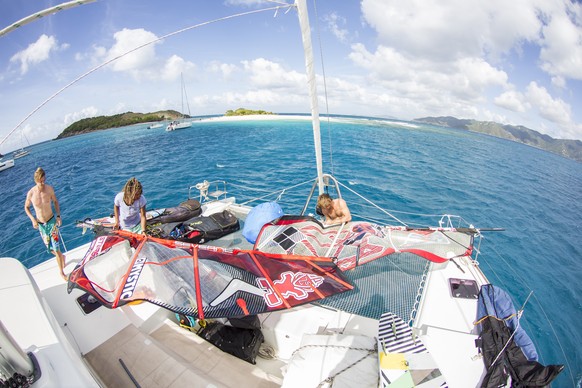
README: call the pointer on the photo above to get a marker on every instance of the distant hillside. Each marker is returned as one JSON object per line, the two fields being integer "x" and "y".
{"x": 120, "y": 120}
{"x": 571, "y": 149}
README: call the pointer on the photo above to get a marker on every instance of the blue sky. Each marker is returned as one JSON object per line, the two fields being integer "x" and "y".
{"x": 517, "y": 62}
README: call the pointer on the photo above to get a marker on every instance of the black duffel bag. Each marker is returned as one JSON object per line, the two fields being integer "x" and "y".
{"x": 240, "y": 342}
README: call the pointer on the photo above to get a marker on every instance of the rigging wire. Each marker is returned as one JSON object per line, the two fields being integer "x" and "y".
{"x": 33, "y": 258}
{"x": 373, "y": 204}
{"x": 518, "y": 314}
{"x": 275, "y": 8}
{"x": 280, "y": 192}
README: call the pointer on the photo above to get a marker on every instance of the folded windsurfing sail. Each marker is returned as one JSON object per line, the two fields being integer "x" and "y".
{"x": 201, "y": 281}
{"x": 356, "y": 243}
{"x": 507, "y": 349}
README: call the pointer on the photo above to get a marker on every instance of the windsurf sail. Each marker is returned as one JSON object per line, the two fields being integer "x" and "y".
{"x": 356, "y": 243}
{"x": 506, "y": 348}
{"x": 201, "y": 281}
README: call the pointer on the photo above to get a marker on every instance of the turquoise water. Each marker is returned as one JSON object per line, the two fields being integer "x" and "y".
{"x": 536, "y": 196}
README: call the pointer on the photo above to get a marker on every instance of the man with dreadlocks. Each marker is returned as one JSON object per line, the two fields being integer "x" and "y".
{"x": 129, "y": 208}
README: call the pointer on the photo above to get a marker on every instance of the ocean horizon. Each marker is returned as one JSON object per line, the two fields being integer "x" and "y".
{"x": 404, "y": 167}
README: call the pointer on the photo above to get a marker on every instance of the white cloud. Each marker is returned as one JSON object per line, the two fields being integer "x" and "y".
{"x": 554, "y": 110}
{"x": 174, "y": 66}
{"x": 268, "y": 74}
{"x": 478, "y": 75}
{"x": 37, "y": 52}
{"x": 559, "y": 82}
{"x": 334, "y": 24}
{"x": 126, "y": 40}
{"x": 89, "y": 111}
{"x": 96, "y": 54}
{"x": 488, "y": 115}
{"x": 438, "y": 84}
{"x": 253, "y": 98}
{"x": 143, "y": 63}
{"x": 261, "y": 84}
{"x": 562, "y": 46}
{"x": 224, "y": 69}
{"x": 452, "y": 29}
{"x": 511, "y": 100}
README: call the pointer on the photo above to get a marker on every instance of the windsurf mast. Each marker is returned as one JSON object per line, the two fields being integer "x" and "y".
{"x": 308, "y": 51}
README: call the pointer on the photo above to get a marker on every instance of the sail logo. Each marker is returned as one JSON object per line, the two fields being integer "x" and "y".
{"x": 290, "y": 284}
{"x": 132, "y": 278}
{"x": 96, "y": 247}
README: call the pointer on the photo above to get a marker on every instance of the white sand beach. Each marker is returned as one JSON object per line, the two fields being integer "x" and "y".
{"x": 256, "y": 118}
{"x": 323, "y": 119}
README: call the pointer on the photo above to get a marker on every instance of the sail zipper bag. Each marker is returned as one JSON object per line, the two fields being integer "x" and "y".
{"x": 198, "y": 230}
{"x": 167, "y": 220}
{"x": 240, "y": 342}
{"x": 184, "y": 211}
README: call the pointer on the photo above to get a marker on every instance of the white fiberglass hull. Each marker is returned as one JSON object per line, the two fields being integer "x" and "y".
{"x": 6, "y": 164}
{"x": 156, "y": 351}
{"x": 181, "y": 125}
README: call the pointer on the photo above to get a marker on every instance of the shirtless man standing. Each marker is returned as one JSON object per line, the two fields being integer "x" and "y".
{"x": 335, "y": 210}
{"x": 42, "y": 196}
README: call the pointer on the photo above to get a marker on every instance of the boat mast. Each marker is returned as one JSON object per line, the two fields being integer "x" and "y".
{"x": 308, "y": 50}
{"x": 184, "y": 94}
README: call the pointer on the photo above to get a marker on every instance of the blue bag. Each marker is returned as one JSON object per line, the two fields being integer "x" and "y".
{"x": 259, "y": 216}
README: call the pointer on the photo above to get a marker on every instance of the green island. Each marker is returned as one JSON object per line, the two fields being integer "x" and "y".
{"x": 246, "y": 112}
{"x": 115, "y": 121}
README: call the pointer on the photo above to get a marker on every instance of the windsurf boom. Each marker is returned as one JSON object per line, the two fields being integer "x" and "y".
{"x": 201, "y": 281}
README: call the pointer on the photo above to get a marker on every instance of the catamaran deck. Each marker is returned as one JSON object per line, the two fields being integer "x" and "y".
{"x": 157, "y": 352}
{"x": 174, "y": 357}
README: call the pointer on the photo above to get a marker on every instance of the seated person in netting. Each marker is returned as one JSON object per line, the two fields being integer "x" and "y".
{"x": 335, "y": 211}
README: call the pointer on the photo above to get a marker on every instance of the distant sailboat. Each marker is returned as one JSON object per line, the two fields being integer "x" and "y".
{"x": 180, "y": 123}
{"x": 21, "y": 152}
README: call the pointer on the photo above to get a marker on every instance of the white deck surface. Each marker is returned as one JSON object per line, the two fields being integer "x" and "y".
{"x": 445, "y": 326}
